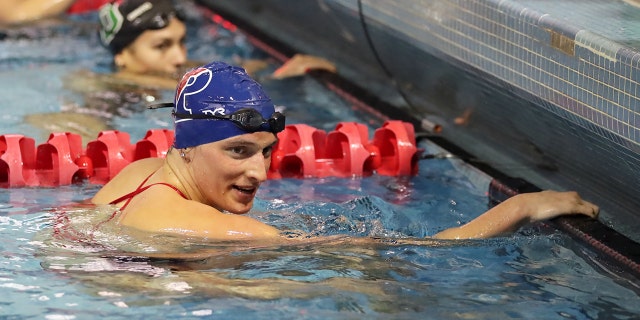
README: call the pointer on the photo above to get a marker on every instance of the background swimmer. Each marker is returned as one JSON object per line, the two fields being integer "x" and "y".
{"x": 147, "y": 41}
{"x": 225, "y": 129}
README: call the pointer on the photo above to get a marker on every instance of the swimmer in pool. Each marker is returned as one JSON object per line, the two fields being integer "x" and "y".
{"x": 225, "y": 130}
{"x": 147, "y": 42}
{"x": 146, "y": 39}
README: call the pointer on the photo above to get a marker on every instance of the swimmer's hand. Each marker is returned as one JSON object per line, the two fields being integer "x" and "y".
{"x": 520, "y": 210}
{"x": 300, "y": 64}
{"x": 550, "y": 204}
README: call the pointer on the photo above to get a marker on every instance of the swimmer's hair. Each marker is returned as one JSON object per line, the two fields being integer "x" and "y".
{"x": 121, "y": 22}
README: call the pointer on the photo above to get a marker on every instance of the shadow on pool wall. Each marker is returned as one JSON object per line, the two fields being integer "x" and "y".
{"x": 525, "y": 94}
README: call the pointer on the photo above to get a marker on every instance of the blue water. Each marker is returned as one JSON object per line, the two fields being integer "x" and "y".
{"x": 538, "y": 273}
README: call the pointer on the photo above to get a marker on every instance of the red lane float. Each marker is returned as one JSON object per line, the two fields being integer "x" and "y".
{"x": 17, "y": 160}
{"x": 304, "y": 151}
{"x": 301, "y": 152}
{"x": 83, "y": 6}
{"x": 55, "y": 160}
{"x": 396, "y": 142}
{"x": 109, "y": 154}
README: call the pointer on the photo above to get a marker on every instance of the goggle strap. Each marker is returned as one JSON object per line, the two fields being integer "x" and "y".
{"x": 160, "y": 105}
{"x": 199, "y": 116}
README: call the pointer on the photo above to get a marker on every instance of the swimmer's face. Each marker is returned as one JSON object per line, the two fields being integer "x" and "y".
{"x": 156, "y": 51}
{"x": 227, "y": 173}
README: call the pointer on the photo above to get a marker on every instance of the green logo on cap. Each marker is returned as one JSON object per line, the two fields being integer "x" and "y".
{"x": 111, "y": 21}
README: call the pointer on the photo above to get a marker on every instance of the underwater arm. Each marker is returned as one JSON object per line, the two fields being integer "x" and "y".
{"x": 520, "y": 210}
{"x": 21, "y": 11}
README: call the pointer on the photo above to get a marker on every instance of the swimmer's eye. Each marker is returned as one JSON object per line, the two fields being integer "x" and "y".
{"x": 163, "y": 46}
{"x": 243, "y": 151}
{"x": 239, "y": 151}
{"x": 266, "y": 152}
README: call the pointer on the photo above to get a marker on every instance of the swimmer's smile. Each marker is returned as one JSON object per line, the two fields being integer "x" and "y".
{"x": 245, "y": 194}
{"x": 251, "y": 190}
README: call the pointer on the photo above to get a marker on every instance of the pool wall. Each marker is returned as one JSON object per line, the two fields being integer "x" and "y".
{"x": 515, "y": 84}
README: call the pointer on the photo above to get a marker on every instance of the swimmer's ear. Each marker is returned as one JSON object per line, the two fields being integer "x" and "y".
{"x": 117, "y": 60}
{"x": 300, "y": 64}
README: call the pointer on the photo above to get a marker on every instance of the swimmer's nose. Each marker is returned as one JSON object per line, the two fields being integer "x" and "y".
{"x": 179, "y": 56}
{"x": 257, "y": 168}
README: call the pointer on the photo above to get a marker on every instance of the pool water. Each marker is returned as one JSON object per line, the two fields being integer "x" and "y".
{"x": 537, "y": 273}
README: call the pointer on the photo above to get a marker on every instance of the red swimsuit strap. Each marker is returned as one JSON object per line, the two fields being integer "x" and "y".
{"x": 132, "y": 194}
{"x": 129, "y": 196}
{"x": 140, "y": 190}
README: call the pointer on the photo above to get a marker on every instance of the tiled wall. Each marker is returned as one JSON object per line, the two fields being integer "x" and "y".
{"x": 586, "y": 78}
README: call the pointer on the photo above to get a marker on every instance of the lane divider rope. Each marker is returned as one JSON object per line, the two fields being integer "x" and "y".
{"x": 302, "y": 151}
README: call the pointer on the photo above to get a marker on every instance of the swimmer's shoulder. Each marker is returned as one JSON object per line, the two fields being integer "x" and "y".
{"x": 140, "y": 168}
{"x": 127, "y": 179}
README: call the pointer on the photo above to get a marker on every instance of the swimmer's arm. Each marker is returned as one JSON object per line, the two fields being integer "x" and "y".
{"x": 194, "y": 219}
{"x": 234, "y": 227}
{"x": 21, "y": 11}
{"x": 520, "y": 210}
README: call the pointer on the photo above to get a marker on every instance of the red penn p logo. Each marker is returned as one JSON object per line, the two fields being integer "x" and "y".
{"x": 192, "y": 83}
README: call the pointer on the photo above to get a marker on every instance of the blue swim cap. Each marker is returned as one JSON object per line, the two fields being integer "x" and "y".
{"x": 216, "y": 89}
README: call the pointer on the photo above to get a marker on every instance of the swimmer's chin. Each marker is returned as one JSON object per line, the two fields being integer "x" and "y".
{"x": 241, "y": 212}
{"x": 233, "y": 211}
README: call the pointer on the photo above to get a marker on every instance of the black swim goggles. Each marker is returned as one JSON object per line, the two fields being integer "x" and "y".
{"x": 157, "y": 19}
{"x": 248, "y": 119}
